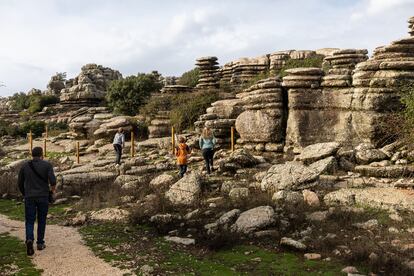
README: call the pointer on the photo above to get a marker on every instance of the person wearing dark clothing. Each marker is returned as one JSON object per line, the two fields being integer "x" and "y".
{"x": 207, "y": 142}
{"x": 119, "y": 144}
{"x": 34, "y": 179}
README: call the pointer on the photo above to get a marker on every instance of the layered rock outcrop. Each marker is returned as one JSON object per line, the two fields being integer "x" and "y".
{"x": 209, "y": 75}
{"x": 89, "y": 86}
{"x": 260, "y": 125}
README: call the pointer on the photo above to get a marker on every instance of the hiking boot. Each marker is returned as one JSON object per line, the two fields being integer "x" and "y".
{"x": 41, "y": 246}
{"x": 29, "y": 248}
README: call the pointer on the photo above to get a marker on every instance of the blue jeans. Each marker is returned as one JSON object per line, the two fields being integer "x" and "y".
{"x": 183, "y": 170}
{"x": 33, "y": 206}
{"x": 118, "y": 153}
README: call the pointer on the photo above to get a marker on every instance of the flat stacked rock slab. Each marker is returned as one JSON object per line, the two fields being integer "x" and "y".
{"x": 378, "y": 83}
{"x": 209, "y": 74}
{"x": 244, "y": 69}
{"x": 342, "y": 63}
{"x": 260, "y": 126}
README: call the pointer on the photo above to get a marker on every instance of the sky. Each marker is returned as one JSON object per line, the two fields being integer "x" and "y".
{"x": 42, "y": 37}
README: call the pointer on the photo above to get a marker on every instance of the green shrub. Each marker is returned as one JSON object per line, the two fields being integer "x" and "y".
{"x": 33, "y": 103}
{"x": 38, "y": 102}
{"x": 37, "y": 127}
{"x": 188, "y": 107}
{"x": 127, "y": 95}
{"x": 314, "y": 61}
{"x": 190, "y": 78}
{"x": 155, "y": 104}
{"x": 184, "y": 108}
{"x": 20, "y": 101}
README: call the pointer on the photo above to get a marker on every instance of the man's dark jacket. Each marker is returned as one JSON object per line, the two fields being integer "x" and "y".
{"x": 31, "y": 185}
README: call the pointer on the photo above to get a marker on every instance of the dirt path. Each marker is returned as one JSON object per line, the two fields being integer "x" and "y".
{"x": 65, "y": 253}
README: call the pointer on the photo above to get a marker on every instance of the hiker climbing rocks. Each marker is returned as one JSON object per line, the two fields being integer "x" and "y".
{"x": 207, "y": 142}
{"x": 34, "y": 179}
{"x": 182, "y": 152}
{"x": 119, "y": 144}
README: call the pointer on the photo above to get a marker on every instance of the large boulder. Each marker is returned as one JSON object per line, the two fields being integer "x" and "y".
{"x": 366, "y": 153}
{"x": 185, "y": 191}
{"x": 289, "y": 176}
{"x": 238, "y": 159}
{"x": 325, "y": 166}
{"x": 254, "y": 219}
{"x": 162, "y": 181}
{"x": 318, "y": 151}
{"x": 259, "y": 126}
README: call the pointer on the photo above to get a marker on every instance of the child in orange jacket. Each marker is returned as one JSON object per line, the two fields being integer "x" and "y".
{"x": 182, "y": 151}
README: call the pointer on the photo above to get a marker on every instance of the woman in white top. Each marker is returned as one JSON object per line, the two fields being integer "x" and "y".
{"x": 119, "y": 144}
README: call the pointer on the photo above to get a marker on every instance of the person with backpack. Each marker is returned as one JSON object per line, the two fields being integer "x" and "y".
{"x": 181, "y": 152}
{"x": 207, "y": 142}
{"x": 119, "y": 144}
{"x": 34, "y": 180}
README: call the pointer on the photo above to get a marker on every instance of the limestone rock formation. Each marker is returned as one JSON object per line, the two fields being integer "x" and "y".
{"x": 262, "y": 120}
{"x": 244, "y": 69}
{"x": 209, "y": 75}
{"x": 320, "y": 106}
{"x": 90, "y": 85}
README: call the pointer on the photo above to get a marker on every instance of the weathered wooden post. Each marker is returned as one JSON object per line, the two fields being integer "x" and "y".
{"x": 132, "y": 144}
{"x": 30, "y": 141}
{"x": 46, "y": 132}
{"x": 44, "y": 148}
{"x": 232, "y": 139}
{"x": 172, "y": 140}
{"x": 77, "y": 153}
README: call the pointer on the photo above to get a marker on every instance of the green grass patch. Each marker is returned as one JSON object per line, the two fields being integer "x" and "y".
{"x": 15, "y": 210}
{"x": 13, "y": 258}
{"x": 57, "y": 155}
{"x": 140, "y": 244}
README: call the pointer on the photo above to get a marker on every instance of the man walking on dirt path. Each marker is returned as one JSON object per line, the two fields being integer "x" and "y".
{"x": 34, "y": 179}
{"x": 119, "y": 144}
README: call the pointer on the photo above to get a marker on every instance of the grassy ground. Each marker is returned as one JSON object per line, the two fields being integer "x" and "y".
{"x": 129, "y": 246}
{"x": 13, "y": 258}
{"x": 15, "y": 210}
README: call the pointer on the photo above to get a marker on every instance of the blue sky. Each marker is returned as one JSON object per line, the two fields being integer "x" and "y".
{"x": 39, "y": 38}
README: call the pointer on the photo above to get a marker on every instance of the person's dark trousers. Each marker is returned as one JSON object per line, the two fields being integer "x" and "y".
{"x": 183, "y": 170}
{"x": 118, "y": 153}
{"x": 208, "y": 155}
{"x": 37, "y": 206}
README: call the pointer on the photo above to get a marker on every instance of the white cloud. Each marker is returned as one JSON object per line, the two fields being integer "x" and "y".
{"x": 42, "y": 37}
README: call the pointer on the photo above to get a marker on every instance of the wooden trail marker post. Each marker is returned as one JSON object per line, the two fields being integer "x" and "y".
{"x": 77, "y": 152}
{"x": 132, "y": 144}
{"x": 232, "y": 139}
{"x": 44, "y": 148}
{"x": 45, "y": 142}
{"x": 172, "y": 140}
{"x": 30, "y": 142}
